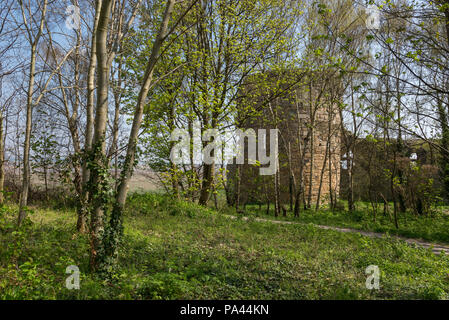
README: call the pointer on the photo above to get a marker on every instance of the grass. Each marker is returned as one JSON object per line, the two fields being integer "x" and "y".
{"x": 431, "y": 228}
{"x": 177, "y": 250}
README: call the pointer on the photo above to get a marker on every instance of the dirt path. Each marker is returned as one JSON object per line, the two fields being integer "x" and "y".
{"x": 435, "y": 247}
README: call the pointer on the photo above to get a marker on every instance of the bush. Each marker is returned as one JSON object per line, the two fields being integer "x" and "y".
{"x": 163, "y": 286}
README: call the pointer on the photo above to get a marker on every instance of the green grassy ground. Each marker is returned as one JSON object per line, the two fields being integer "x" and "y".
{"x": 432, "y": 228}
{"x": 177, "y": 250}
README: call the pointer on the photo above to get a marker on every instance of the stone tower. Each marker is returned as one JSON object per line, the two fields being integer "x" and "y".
{"x": 306, "y": 113}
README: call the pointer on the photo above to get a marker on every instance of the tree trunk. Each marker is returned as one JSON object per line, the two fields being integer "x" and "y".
{"x": 276, "y": 195}
{"x": 208, "y": 176}
{"x": 444, "y": 162}
{"x": 312, "y": 147}
{"x": 290, "y": 191}
{"x": 26, "y": 148}
{"x": 98, "y": 167}
{"x": 2, "y": 160}
{"x": 237, "y": 188}
{"x": 83, "y": 205}
{"x": 174, "y": 169}
{"x": 332, "y": 195}
{"x": 113, "y": 152}
{"x": 351, "y": 206}
{"x": 323, "y": 170}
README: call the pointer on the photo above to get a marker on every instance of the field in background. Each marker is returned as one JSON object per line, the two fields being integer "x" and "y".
{"x": 143, "y": 180}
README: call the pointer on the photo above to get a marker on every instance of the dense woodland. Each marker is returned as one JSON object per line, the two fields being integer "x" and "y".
{"x": 92, "y": 90}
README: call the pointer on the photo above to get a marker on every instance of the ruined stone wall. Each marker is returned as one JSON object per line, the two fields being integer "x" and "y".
{"x": 306, "y": 138}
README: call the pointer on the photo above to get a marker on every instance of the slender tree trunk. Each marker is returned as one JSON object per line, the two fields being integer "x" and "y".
{"x": 443, "y": 118}
{"x": 46, "y": 182}
{"x": 400, "y": 147}
{"x": 350, "y": 150}
{"x": 444, "y": 162}
{"x": 26, "y": 148}
{"x": 312, "y": 146}
{"x": 276, "y": 195}
{"x": 2, "y": 161}
{"x": 351, "y": 206}
{"x": 84, "y": 195}
{"x": 292, "y": 181}
{"x": 98, "y": 157}
{"x": 29, "y": 111}
{"x": 290, "y": 191}
{"x": 237, "y": 188}
{"x": 72, "y": 122}
{"x": 215, "y": 198}
{"x": 208, "y": 177}
{"x": 323, "y": 170}
{"x": 209, "y": 169}
{"x": 115, "y": 131}
{"x": 208, "y": 174}
{"x": 192, "y": 176}
{"x": 174, "y": 168}
{"x": 300, "y": 185}
{"x": 332, "y": 193}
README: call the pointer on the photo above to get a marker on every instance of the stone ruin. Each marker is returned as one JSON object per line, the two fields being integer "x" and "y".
{"x": 309, "y": 123}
